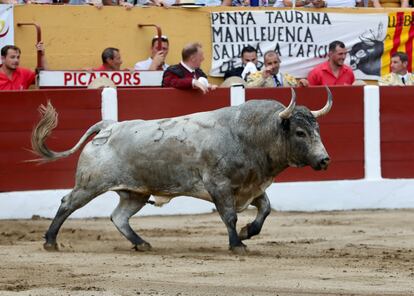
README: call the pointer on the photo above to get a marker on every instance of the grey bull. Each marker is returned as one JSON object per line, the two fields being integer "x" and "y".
{"x": 227, "y": 156}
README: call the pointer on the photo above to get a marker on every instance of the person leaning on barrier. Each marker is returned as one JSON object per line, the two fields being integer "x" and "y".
{"x": 249, "y": 60}
{"x": 156, "y": 62}
{"x": 187, "y": 74}
{"x": 111, "y": 60}
{"x": 13, "y": 77}
{"x": 128, "y": 4}
{"x": 270, "y": 76}
{"x": 399, "y": 74}
{"x": 319, "y": 3}
{"x": 333, "y": 71}
{"x": 384, "y": 3}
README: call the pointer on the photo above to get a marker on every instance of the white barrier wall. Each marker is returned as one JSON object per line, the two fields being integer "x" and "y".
{"x": 368, "y": 193}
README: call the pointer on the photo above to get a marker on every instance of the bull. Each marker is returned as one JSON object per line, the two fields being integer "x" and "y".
{"x": 227, "y": 156}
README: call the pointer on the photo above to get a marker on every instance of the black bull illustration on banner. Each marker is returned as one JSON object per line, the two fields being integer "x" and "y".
{"x": 366, "y": 55}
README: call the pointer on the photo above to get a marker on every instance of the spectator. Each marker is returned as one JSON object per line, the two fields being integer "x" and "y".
{"x": 383, "y": 3}
{"x": 13, "y": 77}
{"x": 128, "y": 4}
{"x": 97, "y": 3}
{"x": 270, "y": 76}
{"x": 248, "y": 55}
{"x": 187, "y": 74}
{"x": 290, "y": 3}
{"x": 244, "y": 3}
{"x": 111, "y": 60}
{"x": 319, "y": 3}
{"x": 333, "y": 71}
{"x": 399, "y": 74}
{"x": 156, "y": 62}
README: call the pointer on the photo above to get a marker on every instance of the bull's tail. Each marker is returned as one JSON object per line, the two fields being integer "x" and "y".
{"x": 45, "y": 126}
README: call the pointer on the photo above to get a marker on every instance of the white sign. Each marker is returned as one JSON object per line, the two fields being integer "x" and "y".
{"x": 84, "y": 78}
{"x": 301, "y": 38}
{"x": 6, "y": 25}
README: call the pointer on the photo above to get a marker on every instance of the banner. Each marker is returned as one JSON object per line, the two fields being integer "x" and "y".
{"x": 301, "y": 38}
{"x": 6, "y": 25}
{"x": 84, "y": 78}
{"x": 400, "y": 33}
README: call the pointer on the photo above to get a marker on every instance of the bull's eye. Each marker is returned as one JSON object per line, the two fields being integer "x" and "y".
{"x": 360, "y": 53}
{"x": 300, "y": 134}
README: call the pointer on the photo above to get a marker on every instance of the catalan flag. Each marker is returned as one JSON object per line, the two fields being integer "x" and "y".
{"x": 400, "y": 34}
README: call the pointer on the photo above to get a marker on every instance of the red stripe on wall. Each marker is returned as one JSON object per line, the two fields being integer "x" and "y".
{"x": 397, "y": 34}
{"x": 409, "y": 45}
{"x": 397, "y": 137}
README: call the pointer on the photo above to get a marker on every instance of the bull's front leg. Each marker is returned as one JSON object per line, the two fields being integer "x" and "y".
{"x": 223, "y": 198}
{"x": 262, "y": 204}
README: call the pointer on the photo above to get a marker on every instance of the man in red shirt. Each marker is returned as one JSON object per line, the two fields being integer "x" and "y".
{"x": 13, "y": 77}
{"x": 111, "y": 60}
{"x": 187, "y": 74}
{"x": 333, "y": 71}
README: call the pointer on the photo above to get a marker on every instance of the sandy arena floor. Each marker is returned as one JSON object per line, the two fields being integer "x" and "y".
{"x": 325, "y": 253}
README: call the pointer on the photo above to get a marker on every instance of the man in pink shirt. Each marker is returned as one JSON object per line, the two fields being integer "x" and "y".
{"x": 13, "y": 77}
{"x": 333, "y": 71}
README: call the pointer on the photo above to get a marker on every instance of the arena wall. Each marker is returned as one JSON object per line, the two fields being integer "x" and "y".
{"x": 351, "y": 135}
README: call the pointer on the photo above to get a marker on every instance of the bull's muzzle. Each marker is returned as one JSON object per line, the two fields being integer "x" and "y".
{"x": 323, "y": 163}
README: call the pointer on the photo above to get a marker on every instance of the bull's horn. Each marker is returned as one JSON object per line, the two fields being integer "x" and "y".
{"x": 327, "y": 106}
{"x": 285, "y": 114}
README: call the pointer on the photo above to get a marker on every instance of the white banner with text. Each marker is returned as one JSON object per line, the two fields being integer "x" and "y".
{"x": 84, "y": 78}
{"x": 301, "y": 38}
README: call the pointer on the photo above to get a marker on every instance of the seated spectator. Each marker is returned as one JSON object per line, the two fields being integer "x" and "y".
{"x": 156, "y": 62}
{"x": 270, "y": 75}
{"x": 244, "y": 3}
{"x": 187, "y": 74}
{"x": 13, "y": 77}
{"x": 318, "y": 3}
{"x": 248, "y": 55}
{"x": 399, "y": 74}
{"x": 111, "y": 60}
{"x": 385, "y": 3}
{"x": 128, "y": 4}
{"x": 333, "y": 71}
{"x": 97, "y": 3}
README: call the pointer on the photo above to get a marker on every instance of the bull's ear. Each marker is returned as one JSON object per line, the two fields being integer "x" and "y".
{"x": 287, "y": 112}
{"x": 327, "y": 106}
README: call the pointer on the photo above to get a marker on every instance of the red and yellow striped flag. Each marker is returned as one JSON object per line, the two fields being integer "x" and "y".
{"x": 400, "y": 34}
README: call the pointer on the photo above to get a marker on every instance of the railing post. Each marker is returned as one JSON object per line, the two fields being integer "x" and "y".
{"x": 237, "y": 94}
{"x": 109, "y": 105}
{"x": 372, "y": 139}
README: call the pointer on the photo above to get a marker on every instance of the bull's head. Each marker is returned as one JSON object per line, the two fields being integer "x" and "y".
{"x": 304, "y": 145}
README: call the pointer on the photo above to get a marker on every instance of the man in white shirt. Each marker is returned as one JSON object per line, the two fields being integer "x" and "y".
{"x": 156, "y": 62}
{"x": 399, "y": 74}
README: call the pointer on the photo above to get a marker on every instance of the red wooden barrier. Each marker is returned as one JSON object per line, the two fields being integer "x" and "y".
{"x": 397, "y": 132}
{"x": 154, "y": 103}
{"x": 341, "y": 130}
{"x": 78, "y": 109}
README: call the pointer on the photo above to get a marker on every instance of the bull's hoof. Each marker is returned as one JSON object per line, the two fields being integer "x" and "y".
{"x": 51, "y": 247}
{"x": 239, "y": 250}
{"x": 143, "y": 247}
{"x": 244, "y": 232}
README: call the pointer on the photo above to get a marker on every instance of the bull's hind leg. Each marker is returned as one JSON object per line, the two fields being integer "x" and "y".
{"x": 76, "y": 199}
{"x": 262, "y": 204}
{"x": 129, "y": 204}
